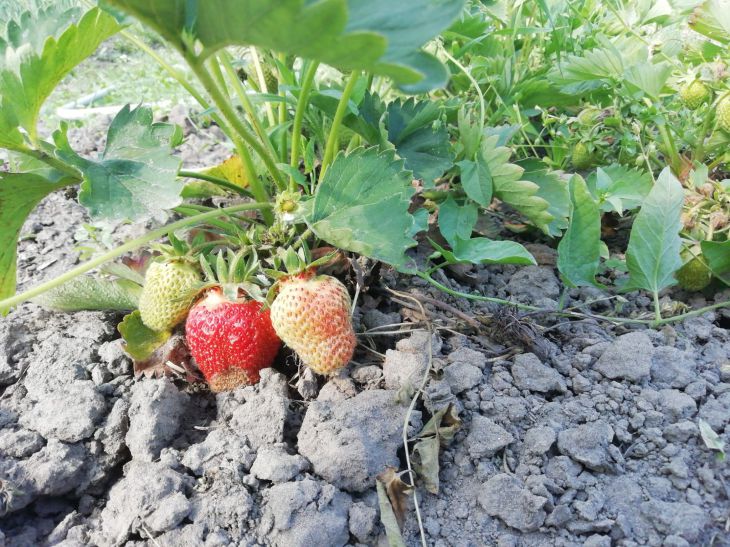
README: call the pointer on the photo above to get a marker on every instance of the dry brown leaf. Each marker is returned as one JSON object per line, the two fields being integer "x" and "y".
{"x": 397, "y": 492}
{"x": 171, "y": 359}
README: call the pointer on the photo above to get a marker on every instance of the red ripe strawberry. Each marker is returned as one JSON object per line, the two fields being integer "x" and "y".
{"x": 230, "y": 340}
{"x": 311, "y": 314}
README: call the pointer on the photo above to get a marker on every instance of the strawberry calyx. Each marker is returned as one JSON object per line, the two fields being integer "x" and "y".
{"x": 234, "y": 277}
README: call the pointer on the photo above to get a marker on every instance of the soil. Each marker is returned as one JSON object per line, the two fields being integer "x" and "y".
{"x": 574, "y": 433}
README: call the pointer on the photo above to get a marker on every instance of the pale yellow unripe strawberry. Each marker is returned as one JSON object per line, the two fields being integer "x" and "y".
{"x": 312, "y": 315}
{"x": 722, "y": 112}
{"x": 167, "y": 294}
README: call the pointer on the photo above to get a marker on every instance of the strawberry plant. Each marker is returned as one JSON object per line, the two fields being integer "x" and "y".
{"x": 446, "y": 124}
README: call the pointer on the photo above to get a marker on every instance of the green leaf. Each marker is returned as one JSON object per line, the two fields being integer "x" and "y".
{"x": 553, "y": 188}
{"x": 27, "y": 82}
{"x": 137, "y": 174}
{"x": 476, "y": 180}
{"x": 509, "y": 186}
{"x": 648, "y": 77}
{"x": 457, "y": 221}
{"x": 19, "y": 194}
{"x": 619, "y": 188}
{"x": 34, "y": 27}
{"x": 377, "y": 36}
{"x": 481, "y": 250}
{"x": 425, "y": 149}
{"x": 652, "y": 256}
{"x": 579, "y": 250}
{"x": 90, "y": 293}
{"x": 362, "y": 203}
{"x": 717, "y": 254}
{"x": 712, "y": 19}
{"x": 579, "y": 74}
{"x": 140, "y": 340}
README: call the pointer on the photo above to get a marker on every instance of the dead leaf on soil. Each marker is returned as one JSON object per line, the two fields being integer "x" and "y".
{"x": 171, "y": 359}
{"x": 439, "y": 431}
{"x": 392, "y": 497}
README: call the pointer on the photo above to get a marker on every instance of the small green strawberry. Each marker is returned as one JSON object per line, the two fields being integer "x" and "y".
{"x": 694, "y": 275}
{"x": 722, "y": 113}
{"x": 582, "y": 157}
{"x": 589, "y": 116}
{"x": 272, "y": 82}
{"x": 694, "y": 94}
{"x": 168, "y": 292}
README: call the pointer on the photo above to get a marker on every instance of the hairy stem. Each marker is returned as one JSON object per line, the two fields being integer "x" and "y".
{"x": 215, "y": 180}
{"x": 333, "y": 138}
{"x": 282, "y": 113}
{"x": 125, "y": 248}
{"x": 49, "y": 160}
{"x": 657, "y": 322}
{"x": 229, "y": 114}
{"x": 262, "y": 84}
{"x": 246, "y": 102}
{"x": 299, "y": 118}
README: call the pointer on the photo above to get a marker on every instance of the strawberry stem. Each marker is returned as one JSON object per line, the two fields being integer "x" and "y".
{"x": 125, "y": 248}
{"x": 654, "y": 323}
{"x": 333, "y": 139}
{"x": 299, "y": 118}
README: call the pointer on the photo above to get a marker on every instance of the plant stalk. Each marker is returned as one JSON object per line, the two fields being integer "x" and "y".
{"x": 49, "y": 160}
{"x": 333, "y": 138}
{"x": 229, "y": 114}
{"x": 654, "y": 323}
{"x": 302, "y": 102}
{"x": 125, "y": 248}
{"x": 262, "y": 84}
{"x": 215, "y": 180}
{"x": 246, "y": 102}
{"x": 282, "y": 112}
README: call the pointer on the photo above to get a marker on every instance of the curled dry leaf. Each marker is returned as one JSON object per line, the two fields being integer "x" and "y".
{"x": 171, "y": 359}
{"x": 392, "y": 496}
{"x": 438, "y": 432}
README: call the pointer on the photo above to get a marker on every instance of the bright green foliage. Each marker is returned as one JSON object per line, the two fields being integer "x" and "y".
{"x": 580, "y": 249}
{"x": 91, "y": 293}
{"x": 476, "y": 179}
{"x": 378, "y": 36}
{"x": 362, "y": 203}
{"x": 553, "y": 188}
{"x": 619, "y": 188}
{"x": 27, "y": 78}
{"x": 717, "y": 254}
{"x": 457, "y": 221}
{"x": 140, "y": 340}
{"x": 509, "y": 186}
{"x": 653, "y": 252}
{"x": 137, "y": 174}
{"x": 712, "y": 18}
{"x": 410, "y": 126}
{"x": 19, "y": 194}
{"x": 425, "y": 149}
{"x": 481, "y": 250}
